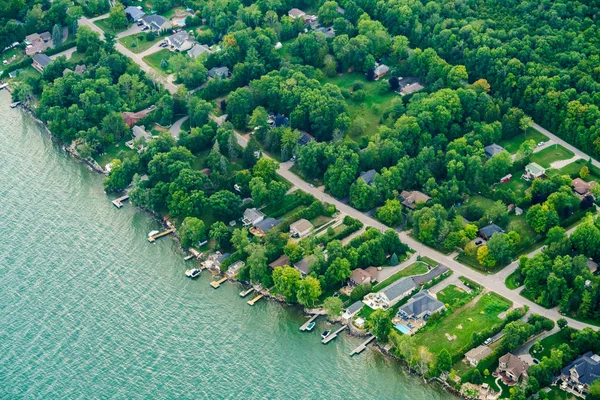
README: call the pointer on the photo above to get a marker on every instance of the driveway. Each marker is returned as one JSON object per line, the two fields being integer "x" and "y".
{"x": 67, "y": 53}
{"x": 175, "y": 129}
{"x": 566, "y": 145}
{"x": 523, "y": 351}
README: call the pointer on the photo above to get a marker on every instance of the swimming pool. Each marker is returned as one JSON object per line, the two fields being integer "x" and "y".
{"x": 403, "y": 329}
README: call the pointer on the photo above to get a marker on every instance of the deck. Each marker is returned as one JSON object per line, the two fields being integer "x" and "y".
{"x": 333, "y": 335}
{"x": 363, "y": 346}
{"x": 216, "y": 284}
{"x": 254, "y": 300}
{"x": 246, "y": 292}
{"x": 312, "y": 319}
{"x": 119, "y": 202}
{"x": 159, "y": 235}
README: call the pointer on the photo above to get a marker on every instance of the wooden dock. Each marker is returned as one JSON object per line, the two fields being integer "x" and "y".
{"x": 159, "y": 235}
{"x": 246, "y": 292}
{"x": 188, "y": 257}
{"x": 305, "y": 326}
{"x": 333, "y": 335}
{"x": 363, "y": 346}
{"x": 254, "y": 300}
{"x": 119, "y": 202}
{"x": 216, "y": 284}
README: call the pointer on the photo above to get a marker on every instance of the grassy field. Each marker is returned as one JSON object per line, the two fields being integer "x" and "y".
{"x": 556, "y": 394}
{"x": 141, "y": 43}
{"x": 512, "y": 145}
{"x": 516, "y": 184}
{"x": 510, "y": 282}
{"x": 551, "y": 154}
{"x": 452, "y": 294}
{"x": 548, "y": 343}
{"x": 103, "y": 24}
{"x": 111, "y": 152}
{"x": 573, "y": 169}
{"x": 7, "y": 55}
{"x": 154, "y": 60}
{"x": 476, "y": 316}
{"x": 417, "y": 268}
{"x": 373, "y": 105}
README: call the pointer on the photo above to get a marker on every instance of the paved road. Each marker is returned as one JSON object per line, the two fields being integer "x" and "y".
{"x": 175, "y": 129}
{"x": 523, "y": 351}
{"x": 67, "y": 53}
{"x": 172, "y": 88}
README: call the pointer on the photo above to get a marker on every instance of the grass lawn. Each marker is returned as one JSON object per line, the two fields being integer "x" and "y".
{"x": 154, "y": 60}
{"x": 548, "y": 343}
{"x": 7, "y": 55}
{"x": 481, "y": 201}
{"x": 518, "y": 223}
{"x": 140, "y": 44}
{"x": 557, "y": 394}
{"x": 366, "y": 312}
{"x": 452, "y": 294}
{"x": 298, "y": 171}
{"x": 516, "y": 184}
{"x": 510, "y": 282}
{"x": 371, "y": 107}
{"x": 512, "y": 145}
{"x": 103, "y": 24}
{"x": 573, "y": 171}
{"x": 551, "y": 154}
{"x": 429, "y": 261}
{"x": 473, "y": 317}
{"x": 417, "y": 268}
{"x": 111, "y": 152}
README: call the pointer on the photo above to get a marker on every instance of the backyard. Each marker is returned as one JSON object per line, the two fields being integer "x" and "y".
{"x": 139, "y": 42}
{"x": 155, "y": 61}
{"x": 452, "y": 295}
{"x": 17, "y": 53}
{"x": 512, "y": 145}
{"x": 106, "y": 27}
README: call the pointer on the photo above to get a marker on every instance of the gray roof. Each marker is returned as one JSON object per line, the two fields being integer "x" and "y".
{"x": 140, "y": 132}
{"x": 490, "y": 230}
{"x": 156, "y": 20}
{"x": 587, "y": 367}
{"x": 434, "y": 273}
{"x": 304, "y": 264}
{"x": 45, "y": 36}
{"x": 198, "y": 50}
{"x": 42, "y": 59}
{"x": 268, "y": 223}
{"x": 220, "y": 71}
{"x": 223, "y": 257}
{"x": 398, "y": 288}
{"x": 354, "y": 307}
{"x": 493, "y": 149}
{"x": 179, "y": 38}
{"x": 421, "y": 303}
{"x": 134, "y": 12}
{"x": 368, "y": 176}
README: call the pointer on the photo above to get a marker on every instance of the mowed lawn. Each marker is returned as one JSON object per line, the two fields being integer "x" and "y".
{"x": 512, "y": 145}
{"x": 551, "y": 154}
{"x": 417, "y": 268}
{"x": 154, "y": 60}
{"x": 452, "y": 294}
{"x": 106, "y": 27}
{"x": 140, "y": 40}
{"x": 573, "y": 170}
{"x": 374, "y": 104}
{"x": 476, "y": 316}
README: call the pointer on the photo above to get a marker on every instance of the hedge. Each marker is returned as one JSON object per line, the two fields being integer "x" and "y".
{"x": 21, "y": 64}
{"x": 65, "y": 46}
{"x": 352, "y": 225}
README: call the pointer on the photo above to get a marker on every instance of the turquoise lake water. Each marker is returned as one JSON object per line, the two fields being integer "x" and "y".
{"x": 90, "y": 309}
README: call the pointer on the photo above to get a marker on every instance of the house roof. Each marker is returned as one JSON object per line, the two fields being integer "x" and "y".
{"x": 32, "y": 38}
{"x": 305, "y": 137}
{"x": 179, "y": 38}
{"x": 140, "y": 132}
{"x": 354, "y": 307}
{"x": 42, "y": 59}
{"x": 222, "y": 72}
{"x": 514, "y": 364}
{"x": 296, "y": 12}
{"x": 154, "y": 19}
{"x": 535, "y": 168}
{"x": 252, "y": 214}
{"x": 328, "y": 32}
{"x": 80, "y": 69}
{"x": 134, "y": 12}
{"x": 410, "y": 199}
{"x": 493, "y": 149}
{"x": 281, "y": 120}
{"x": 198, "y": 50}
{"x": 490, "y": 229}
{"x": 45, "y": 36}
{"x": 368, "y": 176}
{"x": 267, "y": 224}
{"x": 301, "y": 225}
{"x": 381, "y": 69}
{"x": 304, "y": 264}
{"x": 587, "y": 367}
{"x": 412, "y": 87}
{"x": 223, "y": 257}
{"x": 580, "y": 186}
{"x": 422, "y": 303}
{"x": 398, "y": 288}
{"x": 359, "y": 276}
{"x": 478, "y": 353}
{"x": 280, "y": 262}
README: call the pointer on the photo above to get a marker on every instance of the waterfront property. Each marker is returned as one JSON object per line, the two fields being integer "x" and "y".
{"x": 391, "y": 295}
{"x": 580, "y": 374}
{"x": 304, "y": 265}
{"x": 511, "y": 369}
{"x": 420, "y": 307}
{"x": 252, "y": 216}
{"x": 40, "y": 62}
{"x": 351, "y": 311}
{"x": 477, "y": 354}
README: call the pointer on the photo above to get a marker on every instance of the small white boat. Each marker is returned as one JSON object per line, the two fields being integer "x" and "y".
{"x": 192, "y": 273}
{"x": 310, "y": 326}
{"x": 325, "y": 334}
{"x": 152, "y": 233}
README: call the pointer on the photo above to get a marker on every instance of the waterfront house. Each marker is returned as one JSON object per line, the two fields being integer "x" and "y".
{"x": 296, "y": 13}
{"x": 300, "y": 228}
{"x": 492, "y": 150}
{"x": 579, "y": 375}
{"x": 490, "y": 230}
{"x": 511, "y": 368}
{"x": 234, "y": 269}
{"x": 180, "y": 41}
{"x": 134, "y": 14}
{"x": 198, "y": 50}
{"x": 360, "y": 276}
{"x": 41, "y": 61}
{"x": 304, "y": 265}
{"x": 264, "y": 226}
{"x": 533, "y": 171}
{"x": 380, "y": 71}
{"x": 280, "y": 262}
{"x": 220, "y": 72}
{"x": 477, "y": 354}
{"x": 37, "y": 42}
{"x": 220, "y": 258}
{"x": 252, "y": 216}
{"x": 421, "y": 306}
{"x": 351, "y": 311}
{"x": 411, "y": 199}
{"x": 398, "y": 290}
{"x": 156, "y": 23}
{"x": 368, "y": 176}
{"x": 139, "y": 132}
{"x": 131, "y": 118}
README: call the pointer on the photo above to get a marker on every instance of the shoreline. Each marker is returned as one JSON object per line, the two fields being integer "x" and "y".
{"x": 350, "y": 331}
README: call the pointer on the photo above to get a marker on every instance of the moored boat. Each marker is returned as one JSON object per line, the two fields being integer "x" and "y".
{"x": 192, "y": 273}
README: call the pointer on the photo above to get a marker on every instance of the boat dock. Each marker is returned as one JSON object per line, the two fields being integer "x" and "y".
{"x": 254, "y": 300}
{"x": 333, "y": 335}
{"x": 188, "y": 257}
{"x": 246, "y": 292}
{"x": 4, "y": 85}
{"x": 363, "y": 346}
{"x": 119, "y": 202}
{"x": 216, "y": 284}
{"x": 305, "y": 326}
{"x": 159, "y": 235}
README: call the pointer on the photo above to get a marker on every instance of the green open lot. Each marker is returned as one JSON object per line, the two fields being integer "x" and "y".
{"x": 476, "y": 316}
{"x": 452, "y": 295}
{"x": 511, "y": 282}
{"x": 141, "y": 42}
{"x": 417, "y": 268}
{"x": 548, "y": 343}
{"x": 550, "y": 154}
{"x": 16, "y": 52}
{"x": 516, "y": 184}
{"x": 512, "y": 145}
{"x": 573, "y": 169}
{"x": 105, "y": 26}
{"x": 112, "y": 151}
{"x": 556, "y": 394}
{"x": 155, "y": 60}
{"x": 372, "y": 106}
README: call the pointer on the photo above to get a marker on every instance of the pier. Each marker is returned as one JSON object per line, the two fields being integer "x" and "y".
{"x": 363, "y": 346}
{"x": 246, "y": 292}
{"x": 159, "y": 235}
{"x": 254, "y": 300}
{"x": 333, "y": 335}
{"x": 188, "y": 257}
{"x": 216, "y": 284}
{"x": 119, "y": 202}
{"x": 305, "y": 326}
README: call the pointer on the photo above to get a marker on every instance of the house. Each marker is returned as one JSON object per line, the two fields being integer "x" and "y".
{"x": 592, "y": 265}
{"x": 580, "y": 374}
{"x": 477, "y": 354}
{"x": 300, "y": 228}
{"x": 180, "y": 41}
{"x": 131, "y": 118}
{"x": 581, "y": 187}
{"x": 380, "y": 71}
{"x": 281, "y": 120}
{"x": 264, "y": 226}
{"x": 80, "y": 69}
{"x": 252, "y": 216}
{"x": 397, "y": 291}
{"x": 328, "y": 32}
{"x": 305, "y": 138}
{"x": 411, "y": 88}
{"x": 351, "y": 311}
{"x": 156, "y": 23}
{"x": 234, "y": 269}
{"x": 304, "y": 265}
{"x": 411, "y": 199}
{"x": 37, "y": 42}
{"x": 221, "y": 72}
{"x": 198, "y": 49}
{"x": 296, "y": 13}
{"x": 368, "y": 176}
{"x": 41, "y": 61}
{"x": 139, "y": 132}
{"x": 134, "y": 14}
{"x": 220, "y": 258}
{"x": 511, "y": 368}
{"x": 46, "y": 37}
{"x": 518, "y": 211}
{"x": 360, "y": 276}
{"x": 490, "y": 230}
{"x": 492, "y": 150}
{"x": 280, "y": 262}
{"x": 421, "y": 306}
{"x": 534, "y": 170}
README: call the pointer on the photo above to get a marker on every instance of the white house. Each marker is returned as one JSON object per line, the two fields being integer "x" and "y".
{"x": 252, "y": 216}
{"x": 300, "y": 228}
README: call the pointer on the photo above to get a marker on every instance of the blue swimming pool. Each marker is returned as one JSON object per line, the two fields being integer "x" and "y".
{"x": 402, "y": 329}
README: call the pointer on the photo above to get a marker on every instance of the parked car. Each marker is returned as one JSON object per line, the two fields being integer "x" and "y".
{"x": 540, "y": 144}
{"x": 478, "y": 242}
{"x": 487, "y": 341}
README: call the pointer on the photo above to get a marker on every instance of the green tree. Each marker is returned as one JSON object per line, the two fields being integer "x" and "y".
{"x": 309, "y": 290}
{"x": 594, "y": 391}
{"x": 257, "y": 264}
{"x": 338, "y": 272}
{"x": 240, "y": 240}
{"x": 57, "y": 36}
{"x": 390, "y": 213}
{"x": 239, "y": 105}
{"x": 219, "y": 232}
{"x": 476, "y": 377}
{"x": 225, "y": 204}
{"x": 328, "y": 12}
{"x": 380, "y": 324}
{"x": 362, "y": 196}
{"x": 562, "y": 323}
{"x": 444, "y": 361}
{"x": 192, "y": 231}
{"x": 333, "y": 306}
{"x": 286, "y": 281}
{"x": 266, "y": 169}
{"x": 116, "y": 17}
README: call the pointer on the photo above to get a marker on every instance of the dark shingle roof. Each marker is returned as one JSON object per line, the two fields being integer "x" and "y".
{"x": 399, "y": 288}
{"x": 354, "y": 307}
{"x": 490, "y": 230}
{"x": 587, "y": 367}
{"x": 268, "y": 223}
{"x": 42, "y": 59}
{"x": 368, "y": 176}
{"x": 493, "y": 149}
{"x": 422, "y": 302}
